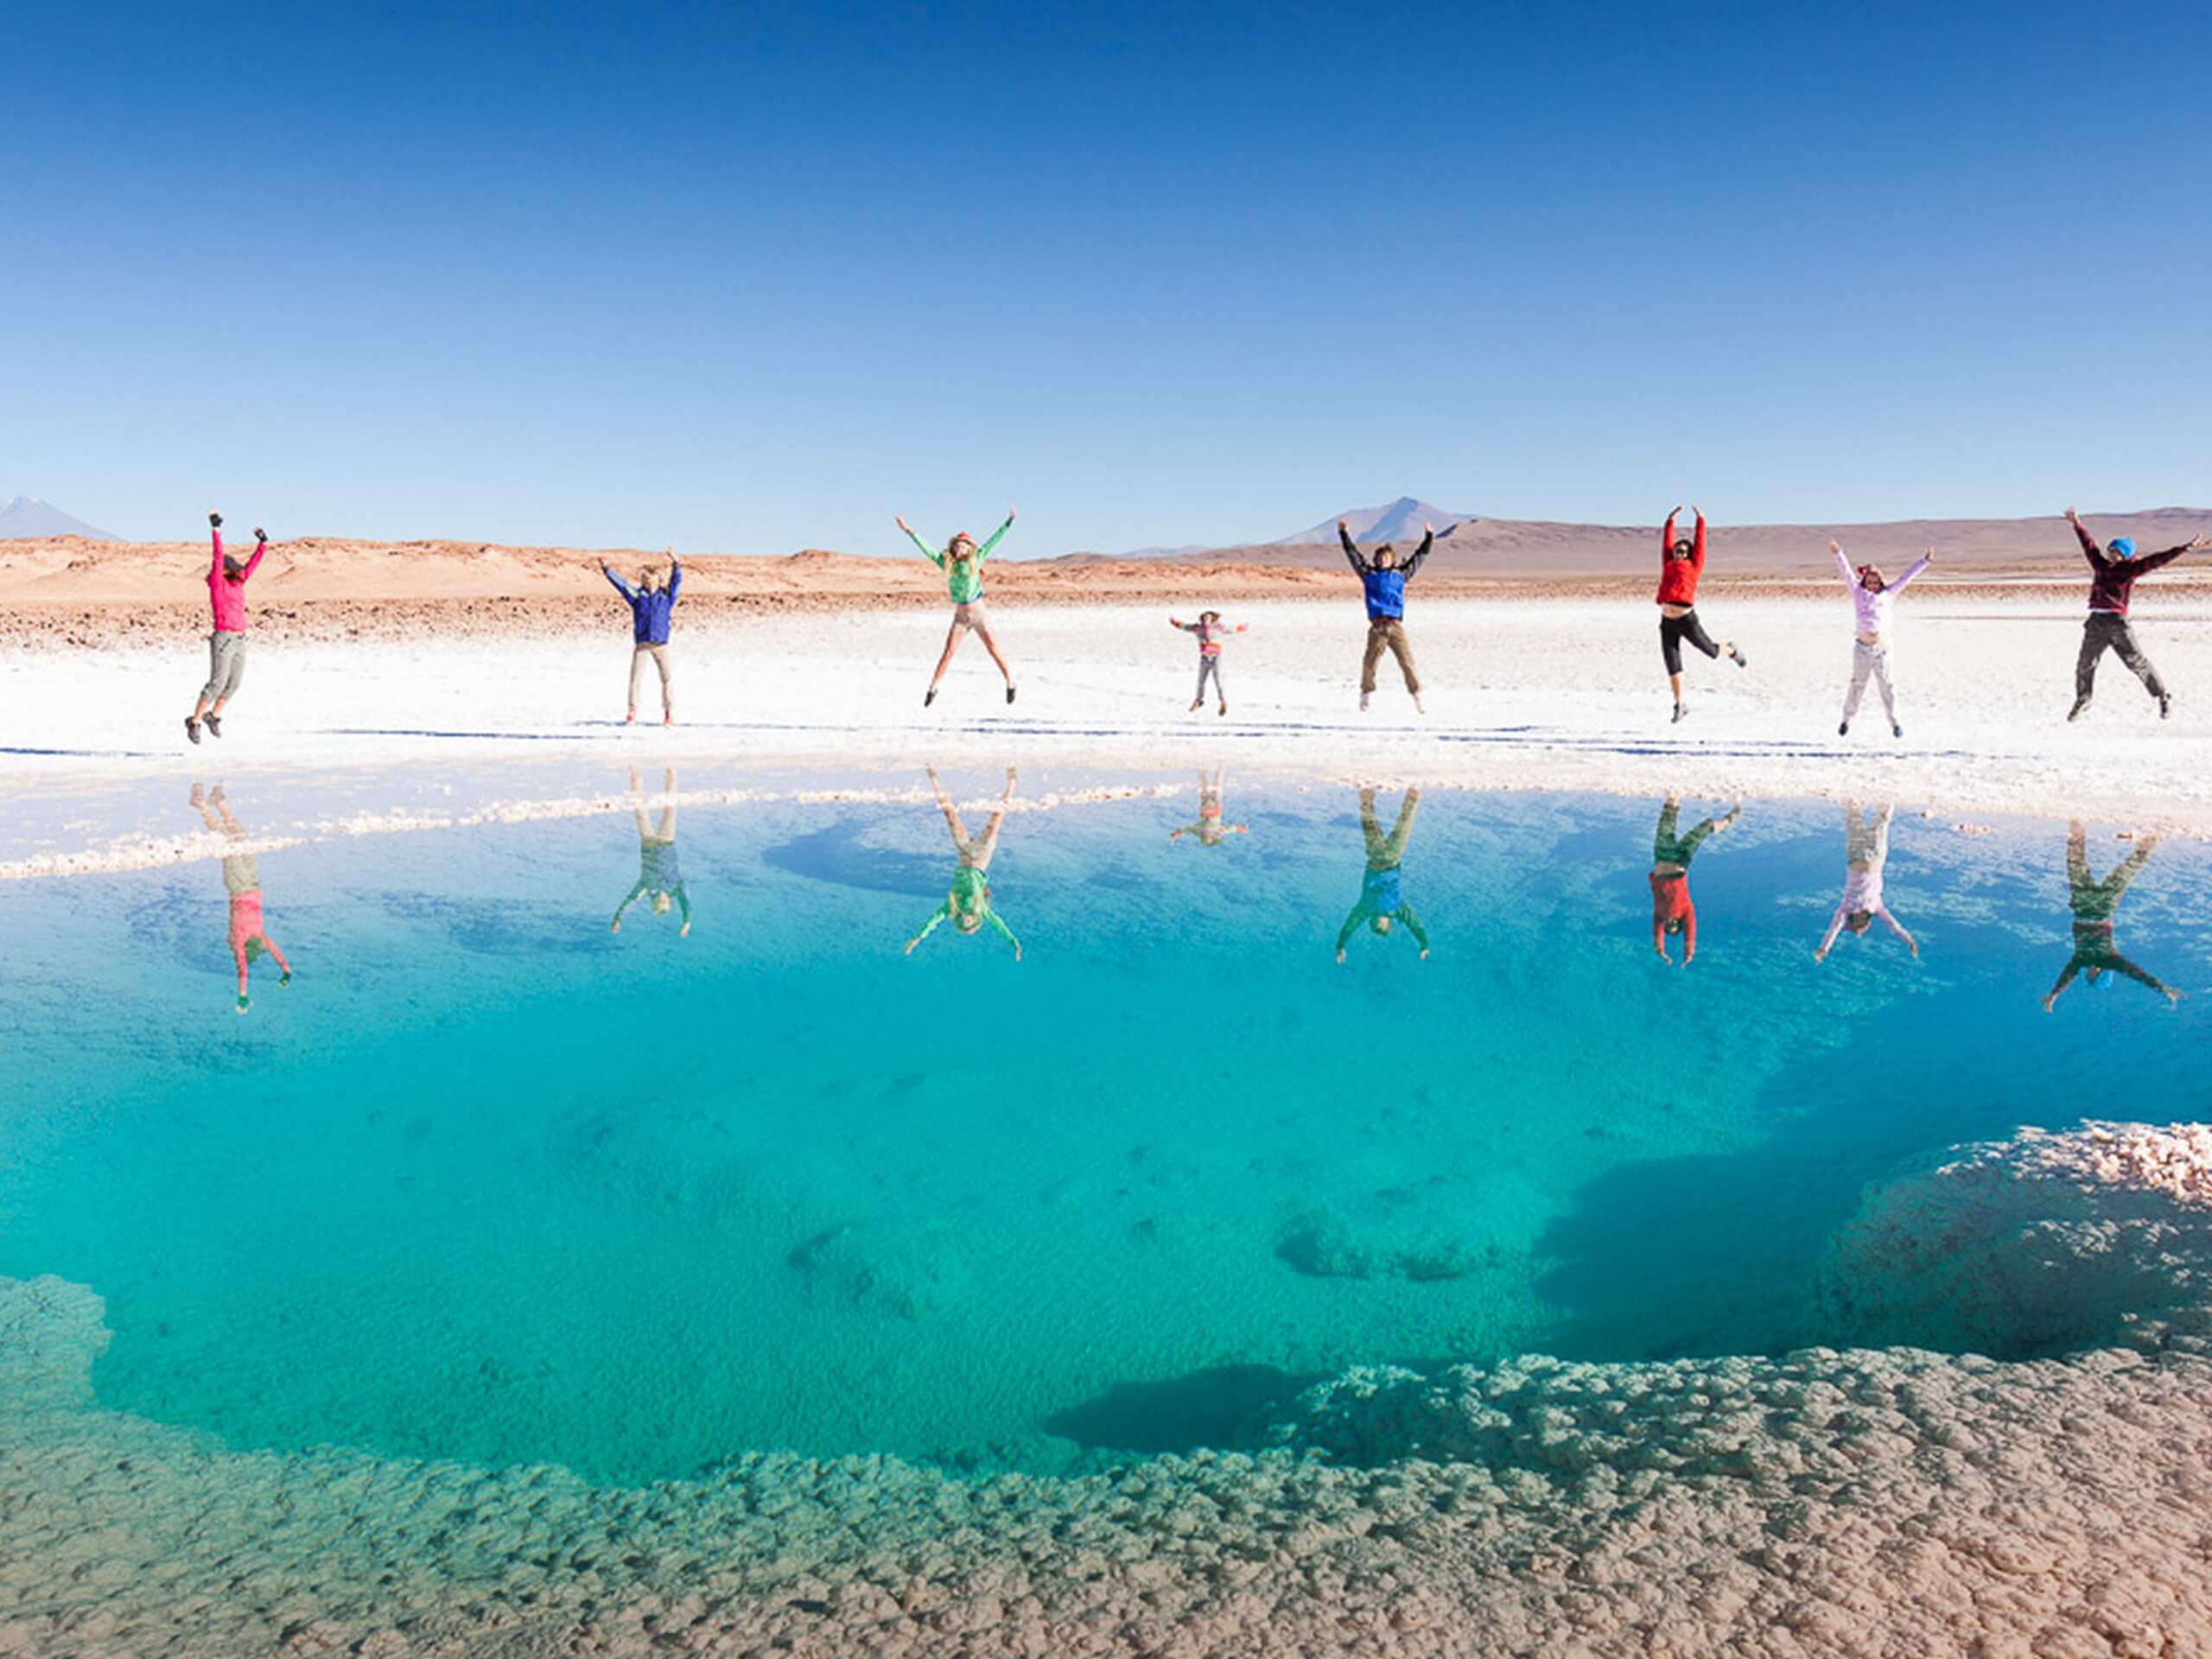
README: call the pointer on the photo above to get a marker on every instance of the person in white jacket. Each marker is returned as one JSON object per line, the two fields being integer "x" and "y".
{"x": 1866, "y": 850}
{"x": 1870, "y": 651}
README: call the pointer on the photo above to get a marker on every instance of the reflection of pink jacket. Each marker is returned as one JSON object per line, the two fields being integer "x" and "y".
{"x": 246, "y": 928}
{"x": 228, "y": 597}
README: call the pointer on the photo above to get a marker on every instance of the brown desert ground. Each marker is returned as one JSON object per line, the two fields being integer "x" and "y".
{"x": 76, "y": 593}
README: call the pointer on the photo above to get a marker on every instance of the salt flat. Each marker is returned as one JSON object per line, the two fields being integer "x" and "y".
{"x": 1531, "y": 693}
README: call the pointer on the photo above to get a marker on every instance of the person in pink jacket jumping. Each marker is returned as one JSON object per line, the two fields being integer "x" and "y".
{"x": 226, "y": 580}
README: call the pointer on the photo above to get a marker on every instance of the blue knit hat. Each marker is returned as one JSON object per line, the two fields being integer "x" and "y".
{"x": 2123, "y": 547}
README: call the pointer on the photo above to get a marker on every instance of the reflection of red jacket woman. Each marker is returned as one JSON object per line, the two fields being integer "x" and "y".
{"x": 1671, "y": 853}
{"x": 247, "y": 929}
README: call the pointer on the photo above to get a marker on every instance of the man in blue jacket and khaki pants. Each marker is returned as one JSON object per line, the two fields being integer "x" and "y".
{"x": 1385, "y": 583}
{"x": 650, "y": 606}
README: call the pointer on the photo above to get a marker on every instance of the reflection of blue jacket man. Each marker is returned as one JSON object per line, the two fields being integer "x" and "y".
{"x": 650, "y": 608}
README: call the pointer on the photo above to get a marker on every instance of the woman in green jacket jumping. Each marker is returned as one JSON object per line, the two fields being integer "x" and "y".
{"x": 962, "y": 564}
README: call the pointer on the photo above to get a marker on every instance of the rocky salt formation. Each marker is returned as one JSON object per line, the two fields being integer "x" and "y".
{"x": 1867, "y": 1502}
{"x": 2102, "y": 1234}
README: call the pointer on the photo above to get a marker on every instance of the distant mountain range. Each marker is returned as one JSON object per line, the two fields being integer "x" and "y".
{"x": 26, "y": 515}
{"x": 1522, "y": 548}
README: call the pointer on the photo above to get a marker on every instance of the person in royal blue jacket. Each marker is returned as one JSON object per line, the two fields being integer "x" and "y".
{"x": 1385, "y": 580}
{"x": 651, "y": 608}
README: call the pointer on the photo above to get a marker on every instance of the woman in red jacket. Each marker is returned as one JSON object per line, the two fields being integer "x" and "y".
{"x": 1680, "y": 564}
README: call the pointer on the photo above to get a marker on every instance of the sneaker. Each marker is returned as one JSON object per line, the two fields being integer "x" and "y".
{"x": 1843, "y": 728}
{"x": 1010, "y": 694}
{"x": 1223, "y": 710}
{"x": 929, "y": 696}
{"x": 1679, "y": 712}
{"x": 1896, "y": 730}
{"x": 214, "y": 725}
{"x": 2076, "y": 712}
{"x": 1417, "y": 707}
{"x": 2165, "y": 705}
{"x": 192, "y": 728}
{"x": 630, "y": 719}
{"x": 1197, "y": 704}
{"x": 1363, "y": 703}
{"x": 668, "y": 720}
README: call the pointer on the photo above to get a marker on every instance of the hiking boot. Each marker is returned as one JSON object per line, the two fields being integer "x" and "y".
{"x": 2165, "y": 705}
{"x": 1223, "y": 710}
{"x": 192, "y": 728}
{"x": 1197, "y": 704}
{"x": 214, "y": 725}
{"x": 2076, "y": 712}
{"x": 1843, "y": 728}
{"x": 1417, "y": 707}
{"x": 1010, "y": 694}
{"x": 1679, "y": 712}
{"x": 1741, "y": 660}
{"x": 1363, "y": 703}
{"x": 929, "y": 696}
{"x": 1896, "y": 730}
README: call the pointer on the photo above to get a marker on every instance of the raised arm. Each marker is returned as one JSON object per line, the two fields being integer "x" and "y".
{"x": 1427, "y": 541}
{"x": 621, "y": 587}
{"x": 1697, "y": 542}
{"x": 1667, "y": 537}
{"x": 260, "y": 547}
{"x": 1911, "y": 572}
{"x": 997, "y": 535}
{"x": 675, "y": 577}
{"x": 2090, "y": 550}
{"x": 1359, "y": 566}
{"x": 2145, "y": 562}
{"x": 215, "y": 529}
{"x": 1843, "y": 565}
{"x": 935, "y": 555}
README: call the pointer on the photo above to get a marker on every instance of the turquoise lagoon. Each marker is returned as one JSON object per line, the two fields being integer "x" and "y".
{"x": 490, "y": 1181}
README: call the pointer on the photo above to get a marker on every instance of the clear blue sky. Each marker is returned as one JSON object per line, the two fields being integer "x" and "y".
{"x": 753, "y": 276}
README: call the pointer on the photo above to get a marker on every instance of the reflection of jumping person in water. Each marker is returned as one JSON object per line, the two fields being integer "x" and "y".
{"x": 1866, "y": 850}
{"x": 968, "y": 903}
{"x": 659, "y": 879}
{"x": 1380, "y": 902}
{"x": 248, "y": 935}
{"x": 1209, "y": 829}
{"x": 1671, "y": 910}
{"x": 2094, "y": 903}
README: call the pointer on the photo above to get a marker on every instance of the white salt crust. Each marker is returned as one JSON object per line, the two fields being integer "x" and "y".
{"x": 1866, "y": 1502}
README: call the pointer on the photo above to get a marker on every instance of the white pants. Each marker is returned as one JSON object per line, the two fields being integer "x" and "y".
{"x": 1872, "y": 660}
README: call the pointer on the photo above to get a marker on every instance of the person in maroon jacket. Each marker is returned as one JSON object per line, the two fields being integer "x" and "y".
{"x": 2113, "y": 571}
{"x": 1680, "y": 564}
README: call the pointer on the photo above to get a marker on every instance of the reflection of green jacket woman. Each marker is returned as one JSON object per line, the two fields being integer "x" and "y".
{"x": 1380, "y": 903}
{"x": 2094, "y": 904}
{"x": 658, "y": 874}
{"x": 968, "y": 903}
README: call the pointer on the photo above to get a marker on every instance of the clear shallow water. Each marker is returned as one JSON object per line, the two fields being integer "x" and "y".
{"x": 489, "y": 1181}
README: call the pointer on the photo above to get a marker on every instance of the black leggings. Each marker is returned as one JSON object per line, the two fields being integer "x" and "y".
{"x": 1672, "y": 629}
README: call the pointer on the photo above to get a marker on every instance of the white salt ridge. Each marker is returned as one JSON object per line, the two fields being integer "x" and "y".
{"x": 1861, "y": 1502}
